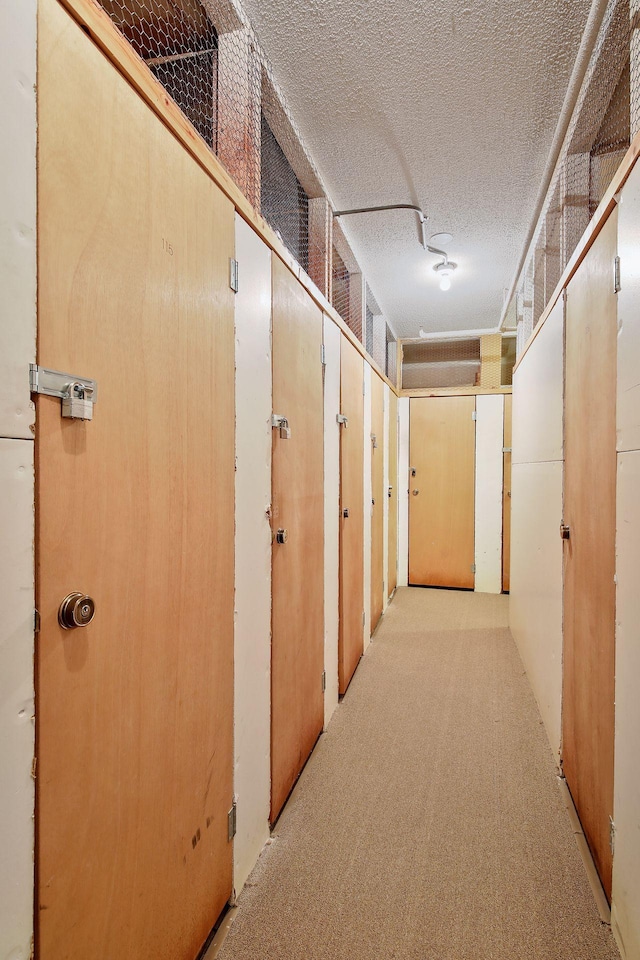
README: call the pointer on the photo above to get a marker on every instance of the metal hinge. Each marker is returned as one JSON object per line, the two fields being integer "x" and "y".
{"x": 506, "y": 449}
{"x": 78, "y": 394}
{"x": 233, "y": 275}
{"x": 612, "y": 835}
{"x": 363, "y": 618}
{"x": 36, "y": 621}
{"x": 616, "y": 274}
{"x": 323, "y": 355}
{"x": 474, "y": 415}
{"x": 473, "y": 568}
{"x": 232, "y": 822}
{"x": 324, "y": 680}
{"x": 364, "y": 388}
{"x": 340, "y": 418}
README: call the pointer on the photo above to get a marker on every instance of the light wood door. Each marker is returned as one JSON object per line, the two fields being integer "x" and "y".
{"x": 392, "y": 574}
{"x": 135, "y": 508}
{"x": 589, "y": 554}
{"x": 351, "y": 632}
{"x": 442, "y": 491}
{"x": 506, "y": 496}
{"x": 377, "y": 498}
{"x": 297, "y": 646}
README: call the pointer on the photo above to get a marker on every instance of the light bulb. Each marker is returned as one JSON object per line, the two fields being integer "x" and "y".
{"x": 445, "y": 282}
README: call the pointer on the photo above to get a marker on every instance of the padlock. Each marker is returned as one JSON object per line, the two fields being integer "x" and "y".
{"x": 345, "y": 513}
{"x": 77, "y": 405}
{"x": 285, "y": 429}
{"x": 282, "y": 536}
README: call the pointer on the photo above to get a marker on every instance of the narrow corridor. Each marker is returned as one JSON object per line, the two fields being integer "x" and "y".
{"x": 428, "y": 824}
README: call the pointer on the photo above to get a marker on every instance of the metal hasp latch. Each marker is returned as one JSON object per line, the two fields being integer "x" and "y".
{"x": 78, "y": 394}
{"x": 565, "y": 531}
{"x": 340, "y": 418}
{"x": 374, "y": 441}
{"x": 283, "y": 425}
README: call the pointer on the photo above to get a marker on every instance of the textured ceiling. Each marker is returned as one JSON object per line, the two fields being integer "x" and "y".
{"x": 451, "y": 105}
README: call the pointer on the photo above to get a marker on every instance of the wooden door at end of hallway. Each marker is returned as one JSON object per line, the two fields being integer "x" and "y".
{"x": 442, "y": 491}
{"x": 589, "y": 554}
{"x": 392, "y": 577}
{"x": 351, "y": 584}
{"x": 297, "y": 645}
{"x": 135, "y": 509}
{"x": 377, "y": 498}
{"x": 506, "y": 496}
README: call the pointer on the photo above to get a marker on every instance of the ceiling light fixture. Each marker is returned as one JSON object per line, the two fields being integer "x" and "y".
{"x": 444, "y": 271}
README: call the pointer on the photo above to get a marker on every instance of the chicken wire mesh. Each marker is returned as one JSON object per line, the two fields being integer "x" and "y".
{"x": 208, "y": 59}
{"x": 436, "y": 364}
{"x": 605, "y": 116}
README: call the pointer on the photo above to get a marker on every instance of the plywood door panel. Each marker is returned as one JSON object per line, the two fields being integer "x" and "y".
{"x": 297, "y": 649}
{"x": 135, "y": 508}
{"x": 441, "y": 494}
{"x": 377, "y": 498}
{"x": 392, "y": 576}
{"x": 351, "y": 637}
{"x": 589, "y": 556}
{"x": 506, "y": 498}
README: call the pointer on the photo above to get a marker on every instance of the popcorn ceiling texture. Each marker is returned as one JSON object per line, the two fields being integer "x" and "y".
{"x": 450, "y": 105}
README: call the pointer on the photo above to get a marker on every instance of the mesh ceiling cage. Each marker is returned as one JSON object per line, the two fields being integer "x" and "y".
{"x": 208, "y": 59}
{"x": 435, "y": 364}
{"x": 604, "y": 119}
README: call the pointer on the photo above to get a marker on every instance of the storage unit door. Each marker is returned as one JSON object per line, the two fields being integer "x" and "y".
{"x": 506, "y": 496}
{"x": 392, "y": 576}
{"x": 134, "y": 510}
{"x": 377, "y": 498}
{"x": 589, "y": 553}
{"x": 351, "y": 628}
{"x": 442, "y": 491}
{"x": 297, "y": 646}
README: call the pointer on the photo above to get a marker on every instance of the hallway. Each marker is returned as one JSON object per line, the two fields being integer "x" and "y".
{"x": 428, "y": 824}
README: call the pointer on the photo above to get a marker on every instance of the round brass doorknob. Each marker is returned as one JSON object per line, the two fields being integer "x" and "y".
{"x": 76, "y": 610}
{"x": 416, "y": 492}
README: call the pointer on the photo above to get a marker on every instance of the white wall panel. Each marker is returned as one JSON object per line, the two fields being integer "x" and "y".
{"x": 628, "y": 401}
{"x": 488, "y": 509}
{"x": 535, "y": 605}
{"x": 17, "y": 215}
{"x": 367, "y": 504}
{"x": 332, "y": 337}
{"x": 403, "y": 491}
{"x": 385, "y": 510}
{"x": 625, "y": 911}
{"x": 538, "y": 395}
{"x": 16, "y": 698}
{"x": 253, "y": 550}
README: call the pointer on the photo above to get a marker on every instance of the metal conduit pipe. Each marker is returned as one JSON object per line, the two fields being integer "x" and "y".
{"x": 587, "y": 44}
{"x": 397, "y": 206}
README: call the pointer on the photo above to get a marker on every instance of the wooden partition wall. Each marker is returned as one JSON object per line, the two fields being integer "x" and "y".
{"x": 134, "y": 509}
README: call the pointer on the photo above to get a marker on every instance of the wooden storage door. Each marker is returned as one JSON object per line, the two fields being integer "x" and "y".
{"x": 392, "y": 575}
{"x": 377, "y": 498}
{"x": 442, "y": 491}
{"x": 589, "y": 554}
{"x": 134, "y": 508}
{"x": 297, "y": 645}
{"x": 506, "y": 496}
{"x": 351, "y": 628}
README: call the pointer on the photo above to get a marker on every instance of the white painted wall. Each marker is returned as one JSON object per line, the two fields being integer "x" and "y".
{"x": 385, "y": 509}
{"x": 403, "y": 491}
{"x": 625, "y": 906}
{"x": 535, "y": 607}
{"x": 17, "y": 350}
{"x": 367, "y": 504}
{"x": 252, "y": 647}
{"x": 488, "y": 511}
{"x": 332, "y": 337}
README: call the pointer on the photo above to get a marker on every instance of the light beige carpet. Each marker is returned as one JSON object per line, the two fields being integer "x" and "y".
{"x": 428, "y": 824}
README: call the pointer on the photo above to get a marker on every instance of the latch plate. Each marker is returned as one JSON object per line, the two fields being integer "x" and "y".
{"x": 233, "y": 275}
{"x": 78, "y": 394}
{"x": 616, "y": 275}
